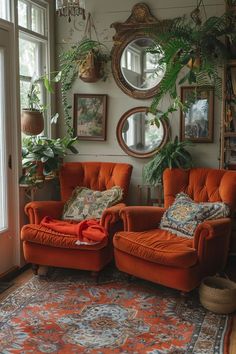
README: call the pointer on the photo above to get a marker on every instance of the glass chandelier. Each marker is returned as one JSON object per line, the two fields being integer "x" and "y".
{"x": 70, "y": 8}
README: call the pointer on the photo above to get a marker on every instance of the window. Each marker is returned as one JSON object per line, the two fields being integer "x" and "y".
{"x": 31, "y": 16}
{"x": 4, "y": 9}
{"x": 33, "y": 47}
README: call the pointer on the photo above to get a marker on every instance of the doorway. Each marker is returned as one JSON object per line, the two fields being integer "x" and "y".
{"x": 8, "y": 184}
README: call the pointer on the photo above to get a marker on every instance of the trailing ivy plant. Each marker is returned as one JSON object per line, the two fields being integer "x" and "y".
{"x": 69, "y": 66}
{"x": 172, "y": 155}
{"x": 193, "y": 53}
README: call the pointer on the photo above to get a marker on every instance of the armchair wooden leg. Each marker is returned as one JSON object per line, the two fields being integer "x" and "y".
{"x": 43, "y": 271}
{"x": 95, "y": 276}
{"x": 35, "y": 268}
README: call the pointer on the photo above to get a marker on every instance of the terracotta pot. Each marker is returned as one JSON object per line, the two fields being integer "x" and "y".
{"x": 32, "y": 122}
{"x": 39, "y": 171}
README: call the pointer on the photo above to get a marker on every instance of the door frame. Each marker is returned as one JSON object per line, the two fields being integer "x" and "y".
{"x": 13, "y": 137}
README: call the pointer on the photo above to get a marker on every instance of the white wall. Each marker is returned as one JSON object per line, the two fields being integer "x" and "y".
{"x": 104, "y": 13}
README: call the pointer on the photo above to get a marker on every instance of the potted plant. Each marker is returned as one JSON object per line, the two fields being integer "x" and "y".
{"x": 193, "y": 51}
{"x": 32, "y": 121}
{"x": 87, "y": 59}
{"x": 42, "y": 157}
{"x": 92, "y": 57}
{"x": 173, "y": 154}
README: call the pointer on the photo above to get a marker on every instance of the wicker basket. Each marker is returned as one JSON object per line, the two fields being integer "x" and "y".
{"x": 218, "y": 295}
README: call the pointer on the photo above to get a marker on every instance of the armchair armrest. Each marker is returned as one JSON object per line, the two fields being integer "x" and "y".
{"x": 37, "y": 210}
{"x": 111, "y": 215}
{"x": 211, "y": 240}
{"x": 140, "y": 218}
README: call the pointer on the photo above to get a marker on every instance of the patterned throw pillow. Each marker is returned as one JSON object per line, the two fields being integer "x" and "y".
{"x": 184, "y": 215}
{"x": 89, "y": 204}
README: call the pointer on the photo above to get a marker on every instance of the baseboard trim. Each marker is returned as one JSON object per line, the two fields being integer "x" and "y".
{"x": 13, "y": 272}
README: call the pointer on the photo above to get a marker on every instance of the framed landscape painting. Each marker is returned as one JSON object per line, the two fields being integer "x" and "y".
{"x": 196, "y": 123}
{"x": 90, "y": 114}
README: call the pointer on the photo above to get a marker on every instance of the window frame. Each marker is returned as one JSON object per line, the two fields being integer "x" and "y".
{"x": 46, "y": 67}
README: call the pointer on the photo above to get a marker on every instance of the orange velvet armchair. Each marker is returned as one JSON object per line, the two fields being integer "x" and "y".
{"x": 50, "y": 248}
{"x": 145, "y": 251}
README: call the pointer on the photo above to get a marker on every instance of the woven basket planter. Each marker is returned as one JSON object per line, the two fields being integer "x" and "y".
{"x": 218, "y": 295}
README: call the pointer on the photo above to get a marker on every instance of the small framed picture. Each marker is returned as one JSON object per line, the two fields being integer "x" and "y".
{"x": 196, "y": 123}
{"x": 90, "y": 114}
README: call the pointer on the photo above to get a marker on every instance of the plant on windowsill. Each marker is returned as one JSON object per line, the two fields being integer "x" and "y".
{"x": 172, "y": 155}
{"x": 88, "y": 60}
{"x": 194, "y": 51}
{"x": 42, "y": 157}
{"x": 32, "y": 122}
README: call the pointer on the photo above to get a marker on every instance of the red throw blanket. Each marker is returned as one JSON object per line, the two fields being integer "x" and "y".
{"x": 86, "y": 232}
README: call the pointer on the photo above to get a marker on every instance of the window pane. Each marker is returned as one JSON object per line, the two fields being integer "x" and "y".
{"x": 22, "y": 13}
{"x": 29, "y": 58}
{"x": 24, "y": 88}
{"x": 3, "y": 180}
{"x": 37, "y": 15}
{"x": 4, "y": 10}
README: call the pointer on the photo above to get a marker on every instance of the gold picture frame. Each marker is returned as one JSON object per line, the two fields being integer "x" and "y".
{"x": 90, "y": 115}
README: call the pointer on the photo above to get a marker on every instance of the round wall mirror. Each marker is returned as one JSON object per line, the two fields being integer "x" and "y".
{"x": 137, "y": 136}
{"x": 141, "y": 69}
{"x": 136, "y": 71}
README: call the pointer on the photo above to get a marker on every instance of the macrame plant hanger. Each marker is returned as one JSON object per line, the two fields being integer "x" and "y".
{"x": 197, "y": 19}
{"x": 196, "y": 13}
{"x": 89, "y": 68}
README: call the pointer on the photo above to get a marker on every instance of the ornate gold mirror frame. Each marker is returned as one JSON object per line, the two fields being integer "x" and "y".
{"x": 136, "y": 28}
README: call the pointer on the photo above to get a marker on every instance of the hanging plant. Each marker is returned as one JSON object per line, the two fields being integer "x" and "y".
{"x": 193, "y": 52}
{"x": 32, "y": 120}
{"x": 87, "y": 60}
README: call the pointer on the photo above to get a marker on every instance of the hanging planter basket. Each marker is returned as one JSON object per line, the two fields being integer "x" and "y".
{"x": 89, "y": 68}
{"x": 32, "y": 122}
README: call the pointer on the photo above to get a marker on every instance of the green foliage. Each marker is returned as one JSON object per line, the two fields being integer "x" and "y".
{"x": 69, "y": 65}
{"x": 172, "y": 155}
{"x": 193, "y": 53}
{"x": 49, "y": 152}
{"x": 33, "y": 95}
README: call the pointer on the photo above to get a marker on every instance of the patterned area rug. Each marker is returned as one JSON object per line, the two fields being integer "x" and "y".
{"x": 68, "y": 312}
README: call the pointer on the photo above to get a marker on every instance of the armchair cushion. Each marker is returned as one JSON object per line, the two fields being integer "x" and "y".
{"x": 44, "y": 236}
{"x": 86, "y": 203}
{"x": 184, "y": 215}
{"x": 157, "y": 246}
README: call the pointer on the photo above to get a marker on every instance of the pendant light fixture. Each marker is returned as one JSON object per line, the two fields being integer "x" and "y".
{"x": 69, "y": 8}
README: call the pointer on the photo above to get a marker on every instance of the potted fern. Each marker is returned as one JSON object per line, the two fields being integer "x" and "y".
{"x": 172, "y": 155}
{"x": 193, "y": 52}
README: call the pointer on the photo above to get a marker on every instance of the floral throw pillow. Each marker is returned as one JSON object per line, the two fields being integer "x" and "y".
{"x": 184, "y": 215}
{"x": 86, "y": 203}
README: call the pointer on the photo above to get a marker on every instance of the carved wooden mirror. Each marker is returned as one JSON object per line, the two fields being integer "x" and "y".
{"x": 136, "y": 71}
{"x": 137, "y": 136}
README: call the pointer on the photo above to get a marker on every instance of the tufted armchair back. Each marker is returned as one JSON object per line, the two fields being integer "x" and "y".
{"x": 94, "y": 175}
{"x": 201, "y": 184}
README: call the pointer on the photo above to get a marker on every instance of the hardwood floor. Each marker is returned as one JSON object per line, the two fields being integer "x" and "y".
{"x": 17, "y": 282}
